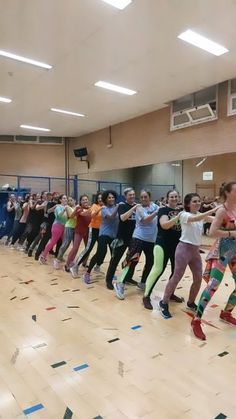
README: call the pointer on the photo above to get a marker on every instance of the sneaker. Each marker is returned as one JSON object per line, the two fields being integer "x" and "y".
{"x": 74, "y": 272}
{"x": 97, "y": 270}
{"x": 30, "y": 252}
{"x": 141, "y": 286}
{"x": 226, "y": 316}
{"x": 86, "y": 278}
{"x": 20, "y": 248}
{"x": 131, "y": 282}
{"x": 36, "y": 257}
{"x": 164, "y": 309}
{"x": 56, "y": 264}
{"x": 147, "y": 303}
{"x": 109, "y": 286}
{"x": 176, "y": 299}
{"x": 192, "y": 307}
{"x": 66, "y": 269}
{"x": 119, "y": 289}
{"x": 197, "y": 329}
{"x": 42, "y": 260}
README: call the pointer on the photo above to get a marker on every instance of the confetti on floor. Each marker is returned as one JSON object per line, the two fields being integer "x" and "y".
{"x": 136, "y": 327}
{"x": 223, "y": 354}
{"x": 113, "y": 340}
{"x": 58, "y": 364}
{"x": 33, "y": 409}
{"x": 68, "y": 414}
{"x": 81, "y": 367}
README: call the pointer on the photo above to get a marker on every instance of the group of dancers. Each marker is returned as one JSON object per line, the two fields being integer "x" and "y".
{"x": 51, "y": 223}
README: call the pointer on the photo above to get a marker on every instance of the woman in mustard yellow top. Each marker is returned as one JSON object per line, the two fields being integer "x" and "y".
{"x": 93, "y": 235}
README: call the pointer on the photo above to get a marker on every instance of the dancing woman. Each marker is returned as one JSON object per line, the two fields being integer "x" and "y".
{"x": 187, "y": 252}
{"x": 223, "y": 253}
{"x": 169, "y": 232}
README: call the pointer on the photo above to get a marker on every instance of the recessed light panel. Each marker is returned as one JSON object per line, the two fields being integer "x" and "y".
{"x": 115, "y": 88}
{"x": 201, "y": 42}
{"x": 35, "y": 128}
{"x": 119, "y": 4}
{"x": 24, "y": 59}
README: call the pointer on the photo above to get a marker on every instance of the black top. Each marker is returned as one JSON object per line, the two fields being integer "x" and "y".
{"x": 126, "y": 228}
{"x": 50, "y": 218}
{"x": 171, "y": 236}
{"x": 35, "y": 217}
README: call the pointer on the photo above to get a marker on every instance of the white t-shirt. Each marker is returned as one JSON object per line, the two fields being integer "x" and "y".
{"x": 191, "y": 232}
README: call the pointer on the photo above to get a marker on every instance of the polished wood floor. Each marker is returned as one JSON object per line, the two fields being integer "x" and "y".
{"x": 71, "y": 350}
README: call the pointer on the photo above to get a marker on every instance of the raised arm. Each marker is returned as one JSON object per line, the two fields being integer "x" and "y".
{"x": 215, "y": 230}
{"x": 128, "y": 213}
{"x": 201, "y": 216}
{"x": 166, "y": 224}
{"x": 146, "y": 218}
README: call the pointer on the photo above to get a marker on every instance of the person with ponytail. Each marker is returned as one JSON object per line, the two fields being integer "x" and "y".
{"x": 222, "y": 254}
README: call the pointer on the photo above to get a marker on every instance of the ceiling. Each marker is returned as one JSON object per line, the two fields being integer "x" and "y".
{"x": 89, "y": 40}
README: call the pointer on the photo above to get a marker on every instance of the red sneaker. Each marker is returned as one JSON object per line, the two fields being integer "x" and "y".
{"x": 226, "y": 316}
{"x": 197, "y": 329}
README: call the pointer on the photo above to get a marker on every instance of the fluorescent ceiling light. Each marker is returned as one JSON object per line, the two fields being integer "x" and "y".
{"x": 176, "y": 164}
{"x": 119, "y": 4}
{"x": 115, "y": 88}
{"x": 24, "y": 59}
{"x": 5, "y": 100}
{"x": 201, "y": 42}
{"x": 66, "y": 112}
{"x": 35, "y": 128}
{"x": 201, "y": 162}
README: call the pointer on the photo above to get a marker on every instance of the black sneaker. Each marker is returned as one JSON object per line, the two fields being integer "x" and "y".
{"x": 164, "y": 309}
{"x": 30, "y": 252}
{"x": 131, "y": 282}
{"x": 109, "y": 286}
{"x": 192, "y": 306}
{"x": 176, "y": 299}
{"x": 36, "y": 257}
{"x": 147, "y": 303}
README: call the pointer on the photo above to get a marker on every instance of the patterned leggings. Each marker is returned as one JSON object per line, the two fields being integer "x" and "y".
{"x": 227, "y": 257}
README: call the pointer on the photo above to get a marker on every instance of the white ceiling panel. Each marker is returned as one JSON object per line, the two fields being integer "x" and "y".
{"x": 88, "y": 40}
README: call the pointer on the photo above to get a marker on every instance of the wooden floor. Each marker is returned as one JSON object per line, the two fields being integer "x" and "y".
{"x": 57, "y": 352}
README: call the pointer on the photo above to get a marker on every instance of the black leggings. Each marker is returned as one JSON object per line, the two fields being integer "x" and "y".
{"x": 30, "y": 233}
{"x": 98, "y": 258}
{"x": 136, "y": 247}
{"x": 18, "y": 232}
{"x": 117, "y": 254}
{"x": 92, "y": 239}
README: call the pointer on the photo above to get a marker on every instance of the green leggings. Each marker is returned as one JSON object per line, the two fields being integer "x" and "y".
{"x": 161, "y": 257}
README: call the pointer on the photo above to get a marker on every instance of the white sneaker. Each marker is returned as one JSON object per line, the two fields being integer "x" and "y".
{"x": 42, "y": 260}
{"x": 74, "y": 272}
{"x": 119, "y": 289}
{"x": 56, "y": 264}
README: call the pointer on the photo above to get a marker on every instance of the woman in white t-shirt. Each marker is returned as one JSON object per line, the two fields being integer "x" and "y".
{"x": 187, "y": 252}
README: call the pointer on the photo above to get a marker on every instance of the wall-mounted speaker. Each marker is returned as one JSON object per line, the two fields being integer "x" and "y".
{"x": 81, "y": 152}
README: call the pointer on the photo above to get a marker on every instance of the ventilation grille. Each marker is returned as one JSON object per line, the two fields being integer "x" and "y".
{"x": 197, "y": 115}
{"x": 232, "y": 97}
{"x": 6, "y": 138}
{"x": 29, "y": 139}
{"x": 194, "y": 109}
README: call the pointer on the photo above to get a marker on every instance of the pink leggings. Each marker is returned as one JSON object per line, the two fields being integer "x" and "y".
{"x": 185, "y": 254}
{"x": 76, "y": 244}
{"x": 57, "y": 234}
